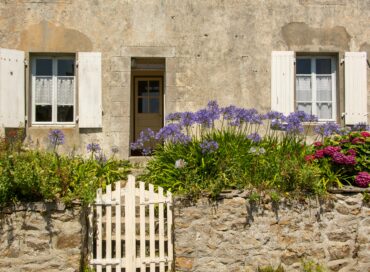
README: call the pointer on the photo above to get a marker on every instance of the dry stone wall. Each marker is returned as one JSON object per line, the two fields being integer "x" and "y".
{"x": 239, "y": 235}
{"x": 232, "y": 234}
{"x": 42, "y": 237}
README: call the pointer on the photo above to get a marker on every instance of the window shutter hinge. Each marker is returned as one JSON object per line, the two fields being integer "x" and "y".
{"x": 341, "y": 61}
{"x": 343, "y": 115}
{"x": 26, "y": 63}
{"x": 26, "y": 118}
{"x": 76, "y": 63}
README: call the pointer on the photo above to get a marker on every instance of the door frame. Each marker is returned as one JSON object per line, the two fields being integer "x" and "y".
{"x": 161, "y": 108}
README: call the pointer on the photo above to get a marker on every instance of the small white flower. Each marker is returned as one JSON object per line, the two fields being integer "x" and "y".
{"x": 262, "y": 150}
{"x": 252, "y": 150}
{"x": 180, "y": 164}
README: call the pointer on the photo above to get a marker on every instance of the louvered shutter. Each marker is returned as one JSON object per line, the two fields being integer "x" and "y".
{"x": 355, "y": 87}
{"x": 12, "y": 95}
{"x": 282, "y": 81}
{"x": 89, "y": 90}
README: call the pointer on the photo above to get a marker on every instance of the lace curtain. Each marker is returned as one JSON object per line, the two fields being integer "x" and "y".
{"x": 65, "y": 91}
{"x": 44, "y": 91}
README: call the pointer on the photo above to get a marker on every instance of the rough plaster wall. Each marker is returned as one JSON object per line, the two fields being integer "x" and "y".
{"x": 221, "y": 48}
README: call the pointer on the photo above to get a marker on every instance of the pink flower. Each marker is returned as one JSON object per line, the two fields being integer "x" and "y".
{"x": 330, "y": 150}
{"x": 351, "y": 152}
{"x": 340, "y": 158}
{"x": 319, "y": 154}
{"x": 363, "y": 179}
{"x": 317, "y": 144}
{"x": 365, "y": 134}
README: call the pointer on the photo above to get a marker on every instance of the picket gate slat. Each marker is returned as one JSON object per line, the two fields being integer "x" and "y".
{"x": 108, "y": 228}
{"x": 161, "y": 228}
{"x": 154, "y": 229}
{"x": 99, "y": 219}
{"x": 142, "y": 226}
{"x": 117, "y": 196}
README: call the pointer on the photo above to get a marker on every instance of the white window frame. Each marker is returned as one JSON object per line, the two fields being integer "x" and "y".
{"x": 54, "y": 106}
{"x": 314, "y": 86}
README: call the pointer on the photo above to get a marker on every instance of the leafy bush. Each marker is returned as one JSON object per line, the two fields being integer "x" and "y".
{"x": 235, "y": 148}
{"x": 32, "y": 175}
{"x": 344, "y": 158}
{"x": 227, "y": 148}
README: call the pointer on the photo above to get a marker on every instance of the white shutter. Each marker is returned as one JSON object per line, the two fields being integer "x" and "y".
{"x": 12, "y": 96}
{"x": 355, "y": 97}
{"x": 89, "y": 90}
{"x": 282, "y": 81}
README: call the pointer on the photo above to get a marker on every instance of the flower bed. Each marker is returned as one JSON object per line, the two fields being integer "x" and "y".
{"x": 235, "y": 148}
{"x": 34, "y": 175}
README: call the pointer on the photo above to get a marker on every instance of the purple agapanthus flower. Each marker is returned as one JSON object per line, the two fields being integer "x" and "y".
{"x": 187, "y": 119}
{"x": 93, "y": 148}
{"x": 208, "y": 146}
{"x": 328, "y": 129}
{"x": 273, "y": 115}
{"x": 56, "y": 137}
{"x": 173, "y": 116}
{"x": 294, "y": 123}
{"x": 360, "y": 127}
{"x": 254, "y": 137}
{"x": 100, "y": 157}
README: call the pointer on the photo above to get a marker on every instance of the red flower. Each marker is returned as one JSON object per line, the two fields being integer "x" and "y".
{"x": 319, "y": 154}
{"x": 365, "y": 134}
{"x": 357, "y": 140}
{"x": 351, "y": 152}
{"x": 317, "y": 144}
{"x": 309, "y": 158}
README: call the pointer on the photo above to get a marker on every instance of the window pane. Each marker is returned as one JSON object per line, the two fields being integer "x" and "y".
{"x": 303, "y": 88}
{"x": 323, "y": 66}
{"x": 142, "y": 88}
{"x": 65, "y": 114}
{"x": 324, "y": 110}
{"x": 143, "y": 105}
{"x": 66, "y": 67}
{"x": 43, "y": 113}
{"x": 324, "y": 90}
{"x": 306, "y": 107}
{"x": 303, "y": 66}
{"x": 44, "y": 67}
{"x": 154, "y": 88}
{"x": 65, "y": 91}
{"x": 154, "y": 105}
{"x": 43, "y": 91}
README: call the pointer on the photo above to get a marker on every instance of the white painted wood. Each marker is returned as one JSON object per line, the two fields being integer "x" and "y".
{"x": 130, "y": 262}
{"x": 161, "y": 228}
{"x": 108, "y": 228}
{"x": 355, "y": 83}
{"x": 89, "y": 90}
{"x": 90, "y": 233}
{"x": 130, "y": 225}
{"x": 99, "y": 234}
{"x": 12, "y": 91}
{"x": 169, "y": 230}
{"x": 151, "y": 228}
{"x": 142, "y": 227}
{"x": 282, "y": 81}
{"x": 117, "y": 194}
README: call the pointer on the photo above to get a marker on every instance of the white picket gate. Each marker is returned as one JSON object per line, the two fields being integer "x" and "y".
{"x": 130, "y": 229}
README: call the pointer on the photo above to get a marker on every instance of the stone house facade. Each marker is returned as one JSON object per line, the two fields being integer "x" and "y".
{"x": 103, "y": 70}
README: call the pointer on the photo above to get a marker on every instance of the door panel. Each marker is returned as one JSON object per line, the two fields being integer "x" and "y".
{"x": 148, "y": 104}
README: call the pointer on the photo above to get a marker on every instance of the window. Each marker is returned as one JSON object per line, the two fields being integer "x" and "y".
{"x": 53, "y": 90}
{"x": 316, "y": 86}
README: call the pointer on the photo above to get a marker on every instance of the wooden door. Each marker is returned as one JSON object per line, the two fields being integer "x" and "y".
{"x": 148, "y": 104}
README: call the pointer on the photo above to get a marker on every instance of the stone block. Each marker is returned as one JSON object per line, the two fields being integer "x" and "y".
{"x": 119, "y": 124}
{"x": 120, "y": 64}
{"x": 119, "y": 109}
{"x": 120, "y": 93}
{"x": 119, "y": 79}
{"x": 149, "y": 51}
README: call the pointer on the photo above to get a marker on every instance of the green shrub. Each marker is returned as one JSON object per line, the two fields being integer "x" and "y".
{"x": 33, "y": 175}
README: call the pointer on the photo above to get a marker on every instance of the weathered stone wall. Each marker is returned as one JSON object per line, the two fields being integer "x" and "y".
{"x": 237, "y": 235}
{"x": 213, "y": 49}
{"x": 42, "y": 237}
